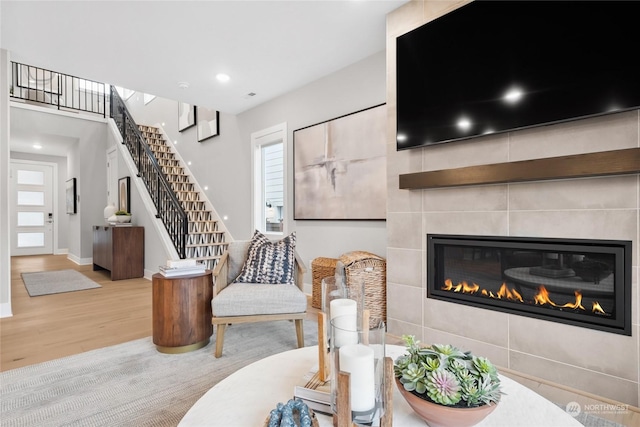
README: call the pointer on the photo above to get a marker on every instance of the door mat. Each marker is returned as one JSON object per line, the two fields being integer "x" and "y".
{"x": 56, "y": 282}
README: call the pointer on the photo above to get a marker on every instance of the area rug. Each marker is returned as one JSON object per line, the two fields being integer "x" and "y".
{"x": 56, "y": 282}
{"x": 132, "y": 384}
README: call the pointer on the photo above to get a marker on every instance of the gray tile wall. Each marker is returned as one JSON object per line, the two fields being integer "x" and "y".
{"x": 597, "y": 362}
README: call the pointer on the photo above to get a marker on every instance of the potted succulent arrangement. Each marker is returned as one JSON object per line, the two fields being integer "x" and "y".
{"x": 123, "y": 216}
{"x": 446, "y": 386}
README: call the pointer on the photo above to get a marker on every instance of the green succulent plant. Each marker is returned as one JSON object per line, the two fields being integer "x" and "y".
{"x": 122, "y": 213}
{"x": 447, "y": 375}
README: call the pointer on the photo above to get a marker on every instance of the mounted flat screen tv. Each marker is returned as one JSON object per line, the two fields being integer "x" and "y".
{"x": 490, "y": 67}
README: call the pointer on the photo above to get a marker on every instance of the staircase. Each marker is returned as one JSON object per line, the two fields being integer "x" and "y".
{"x": 206, "y": 241}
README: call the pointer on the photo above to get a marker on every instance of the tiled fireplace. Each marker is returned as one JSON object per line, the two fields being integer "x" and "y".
{"x": 591, "y": 208}
{"x": 582, "y": 282}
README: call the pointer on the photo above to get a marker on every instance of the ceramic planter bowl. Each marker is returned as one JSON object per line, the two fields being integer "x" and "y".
{"x": 444, "y": 416}
{"x": 123, "y": 218}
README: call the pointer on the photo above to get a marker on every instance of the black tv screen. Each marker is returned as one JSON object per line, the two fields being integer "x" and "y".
{"x": 496, "y": 66}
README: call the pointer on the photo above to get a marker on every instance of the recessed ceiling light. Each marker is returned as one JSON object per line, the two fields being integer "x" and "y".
{"x": 223, "y": 77}
{"x": 37, "y": 146}
{"x": 183, "y": 85}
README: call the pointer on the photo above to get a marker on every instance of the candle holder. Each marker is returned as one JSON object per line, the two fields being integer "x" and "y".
{"x": 357, "y": 371}
{"x": 338, "y": 300}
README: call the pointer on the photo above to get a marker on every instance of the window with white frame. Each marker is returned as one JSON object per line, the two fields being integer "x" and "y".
{"x": 269, "y": 179}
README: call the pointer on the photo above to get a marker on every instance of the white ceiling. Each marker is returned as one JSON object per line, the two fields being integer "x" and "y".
{"x": 267, "y": 47}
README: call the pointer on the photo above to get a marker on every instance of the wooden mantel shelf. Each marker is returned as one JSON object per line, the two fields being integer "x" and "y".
{"x": 615, "y": 162}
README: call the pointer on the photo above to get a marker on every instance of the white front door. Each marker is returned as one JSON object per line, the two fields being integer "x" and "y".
{"x": 32, "y": 213}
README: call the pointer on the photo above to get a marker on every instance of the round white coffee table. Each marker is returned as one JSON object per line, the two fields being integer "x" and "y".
{"x": 245, "y": 397}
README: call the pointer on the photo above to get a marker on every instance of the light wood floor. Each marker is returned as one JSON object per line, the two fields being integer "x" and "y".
{"x": 52, "y": 326}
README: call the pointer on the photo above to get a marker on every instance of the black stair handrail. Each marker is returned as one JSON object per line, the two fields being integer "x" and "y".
{"x": 168, "y": 207}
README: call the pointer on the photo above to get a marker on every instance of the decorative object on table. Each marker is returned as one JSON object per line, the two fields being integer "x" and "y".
{"x": 357, "y": 356}
{"x": 124, "y": 198}
{"x": 314, "y": 392}
{"x": 208, "y": 123}
{"x": 109, "y": 211}
{"x": 294, "y": 413}
{"x": 123, "y": 217}
{"x": 182, "y": 267}
{"x": 340, "y": 167}
{"x": 445, "y": 386}
{"x": 71, "y": 195}
{"x": 186, "y": 116}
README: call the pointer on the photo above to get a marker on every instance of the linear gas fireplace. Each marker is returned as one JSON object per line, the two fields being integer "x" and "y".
{"x": 579, "y": 282}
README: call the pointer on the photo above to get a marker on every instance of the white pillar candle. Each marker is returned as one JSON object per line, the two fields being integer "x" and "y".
{"x": 357, "y": 359}
{"x": 344, "y": 321}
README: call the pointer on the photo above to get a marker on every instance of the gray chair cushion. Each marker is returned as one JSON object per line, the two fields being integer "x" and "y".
{"x": 246, "y": 299}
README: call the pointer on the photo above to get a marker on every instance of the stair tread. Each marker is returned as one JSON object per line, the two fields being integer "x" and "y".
{"x": 202, "y": 245}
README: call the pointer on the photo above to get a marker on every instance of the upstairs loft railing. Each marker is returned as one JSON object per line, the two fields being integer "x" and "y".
{"x": 167, "y": 204}
{"x": 63, "y": 91}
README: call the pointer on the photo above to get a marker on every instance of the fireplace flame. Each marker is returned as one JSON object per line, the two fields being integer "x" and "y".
{"x": 596, "y": 308}
{"x": 577, "y": 304}
{"x": 540, "y": 298}
{"x": 510, "y": 294}
{"x": 448, "y": 285}
{"x": 463, "y": 287}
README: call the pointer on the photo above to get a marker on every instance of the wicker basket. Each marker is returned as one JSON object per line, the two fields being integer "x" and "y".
{"x": 320, "y": 268}
{"x": 371, "y": 269}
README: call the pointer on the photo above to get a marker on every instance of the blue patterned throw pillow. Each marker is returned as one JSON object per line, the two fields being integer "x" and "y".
{"x": 269, "y": 262}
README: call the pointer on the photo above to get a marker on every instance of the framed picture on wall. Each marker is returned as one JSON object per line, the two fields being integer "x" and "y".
{"x": 340, "y": 168}
{"x": 124, "y": 198}
{"x": 71, "y": 196}
{"x": 186, "y": 116}
{"x": 208, "y": 123}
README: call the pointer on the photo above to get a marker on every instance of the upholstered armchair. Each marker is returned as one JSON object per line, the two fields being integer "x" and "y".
{"x": 245, "y": 302}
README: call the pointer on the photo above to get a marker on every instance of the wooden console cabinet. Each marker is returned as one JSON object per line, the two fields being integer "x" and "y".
{"x": 182, "y": 312}
{"x": 119, "y": 250}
